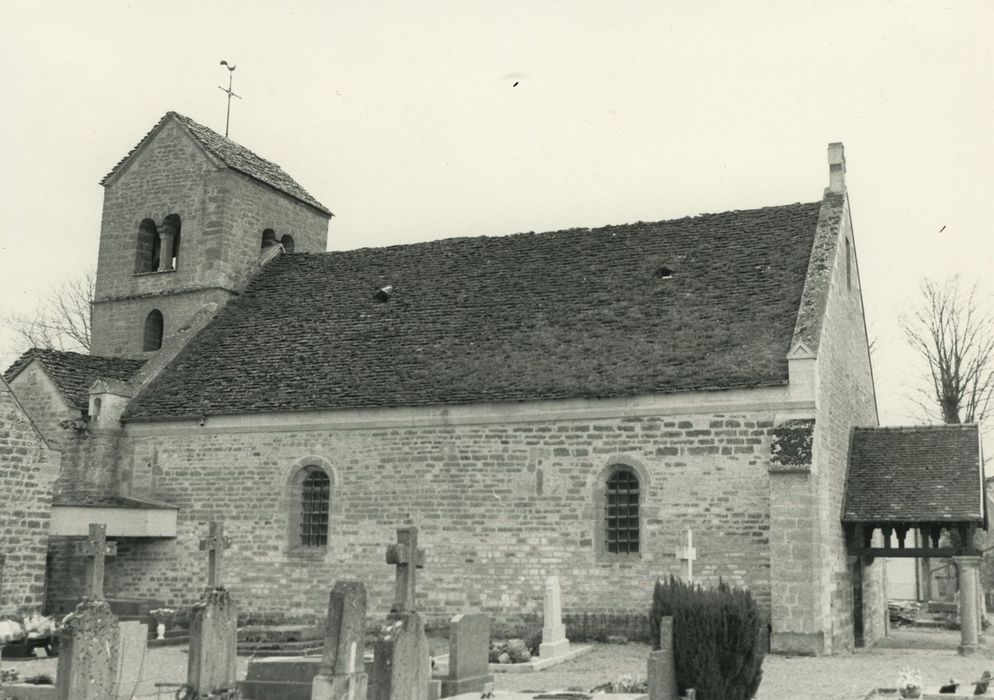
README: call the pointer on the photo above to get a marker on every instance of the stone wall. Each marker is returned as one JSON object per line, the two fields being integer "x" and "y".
{"x": 42, "y": 401}
{"x": 222, "y": 214}
{"x": 500, "y": 506}
{"x": 27, "y": 469}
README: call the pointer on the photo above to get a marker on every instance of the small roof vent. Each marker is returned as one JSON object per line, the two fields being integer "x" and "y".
{"x": 384, "y": 293}
{"x": 663, "y": 272}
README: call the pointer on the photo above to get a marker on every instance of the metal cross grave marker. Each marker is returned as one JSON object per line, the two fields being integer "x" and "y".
{"x": 408, "y": 558}
{"x": 687, "y": 555}
{"x": 214, "y": 544}
{"x": 95, "y": 549}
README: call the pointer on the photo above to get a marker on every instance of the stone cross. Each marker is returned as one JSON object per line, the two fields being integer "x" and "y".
{"x": 554, "y": 641}
{"x": 408, "y": 558}
{"x": 214, "y": 544}
{"x": 95, "y": 548}
{"x": 687, "y": 555}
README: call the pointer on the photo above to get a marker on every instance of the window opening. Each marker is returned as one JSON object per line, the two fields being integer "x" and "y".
{"x": 147, "y": 250}
{"x": 268, "y": 238}
{"x": 152, "y": 338}
{"x": 287, "y": 241}
{"x": 315, "y": 495}
{"x": 622, "y": 512}
{"x": 171, "y": 225}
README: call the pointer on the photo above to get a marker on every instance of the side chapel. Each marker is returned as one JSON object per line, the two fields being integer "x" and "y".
{"x": 566, "y": 403}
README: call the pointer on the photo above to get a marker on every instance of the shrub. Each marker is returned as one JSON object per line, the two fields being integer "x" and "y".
{"x": 533, "y": 640}
{"x": 718, "y": 638}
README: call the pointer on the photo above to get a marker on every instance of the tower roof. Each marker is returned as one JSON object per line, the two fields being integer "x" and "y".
{"x": 232, "y": 154}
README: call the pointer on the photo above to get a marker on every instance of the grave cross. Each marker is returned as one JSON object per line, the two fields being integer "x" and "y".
{"x": 214, "y": 544}
{"x": 95, "y": 548}
{"x": 687, "y": 555}
{"x": 408, "y": 558}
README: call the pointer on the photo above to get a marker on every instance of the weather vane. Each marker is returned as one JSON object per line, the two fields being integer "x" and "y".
{"x": 227, "y": 118}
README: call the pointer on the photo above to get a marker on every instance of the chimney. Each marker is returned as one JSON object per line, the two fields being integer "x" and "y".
{"x": 836, "y": 168}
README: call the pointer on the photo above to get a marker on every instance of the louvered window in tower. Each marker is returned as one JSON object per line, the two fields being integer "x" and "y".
{"x": 622, "y": 512}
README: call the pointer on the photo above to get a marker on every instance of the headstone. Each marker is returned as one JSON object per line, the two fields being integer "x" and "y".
{"x": 342, "y": 675}
{"x": 408, "y": 558}
{"x": 131, "y": 658}
{"x": 214, "y": 627}
{"x": 89, "y": 645}
{"x": 89, "y": 642}
{"x": 687, "y": 554}
{"x": 469, "y": 649}
{"x": 662, "y": 671}
{"x": 401, "y": 662}
{"x": 554, "y": 642}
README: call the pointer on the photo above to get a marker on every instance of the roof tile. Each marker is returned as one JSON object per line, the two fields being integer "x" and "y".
{"x": 73, "y": 373}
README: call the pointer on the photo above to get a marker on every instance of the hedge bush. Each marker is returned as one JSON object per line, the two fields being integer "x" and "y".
{"x": 719, "y": 638}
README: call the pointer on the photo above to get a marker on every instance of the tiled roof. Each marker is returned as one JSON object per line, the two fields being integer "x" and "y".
{"x": 93, "y": 501}
{"x": 569, "y": 314}
{"x": 919, "y": 474}
{"x": 73, "y": 373}
{"x": 235, "y": 156}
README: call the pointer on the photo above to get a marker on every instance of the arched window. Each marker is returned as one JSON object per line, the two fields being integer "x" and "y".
{"x": 152, "y": 338}
{"x": 287, "y": 241}
{"x": 315, "y": 497}
{"x": 147, "y": 249}
{"x": 621, "y": 511}
{"x": 171, "y": 225}
{"x": 268, "y": 238}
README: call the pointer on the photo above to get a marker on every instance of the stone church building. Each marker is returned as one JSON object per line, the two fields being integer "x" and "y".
{"x": 566, "y": 403}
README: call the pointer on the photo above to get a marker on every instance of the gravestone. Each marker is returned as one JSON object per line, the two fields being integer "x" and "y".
{"x": 131, "y": 658}
{"x": 687, "y": 555}
{"x": 214, "y": 627}
{"x": 554, "y": 642}
{"x": 90, "y": 638}
{"x": 401, "y": 662}
{"x": 469, "y": 649}
{"x": 662, "y": 671}
{"x": 342, "y": 675}
{"x": 408, "y": 558}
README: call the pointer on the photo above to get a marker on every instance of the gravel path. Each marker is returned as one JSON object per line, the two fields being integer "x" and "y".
{"x": 849, "y": 677}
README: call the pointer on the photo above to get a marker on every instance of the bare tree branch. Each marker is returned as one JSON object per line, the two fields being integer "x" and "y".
{"x": 62, "y": 322}
{"x": 954, "y": 335}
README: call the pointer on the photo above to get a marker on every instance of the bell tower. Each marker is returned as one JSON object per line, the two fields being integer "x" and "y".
{"x": 187, "y": 217}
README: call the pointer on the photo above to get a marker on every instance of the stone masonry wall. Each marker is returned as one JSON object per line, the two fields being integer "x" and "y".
{"x": 27, "y": 469}
{"x": 42, "y": 401}
{"x": 500, "y": 507}
{"x": 845, "y": 399}
{"x": 222, "y": 214}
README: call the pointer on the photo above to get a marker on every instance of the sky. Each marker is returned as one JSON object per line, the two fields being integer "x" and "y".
{"x": 418, "y": 121}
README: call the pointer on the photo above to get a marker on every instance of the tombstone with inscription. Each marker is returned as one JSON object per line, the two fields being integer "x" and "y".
{"x": 214, "y": 627}
{"x": 342, "y": 675}
{"x": 90, "y": 638}
{"x": 469, "y": 648}
{"x": 554, "y": 642}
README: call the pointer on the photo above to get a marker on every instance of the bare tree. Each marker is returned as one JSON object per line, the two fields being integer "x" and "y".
{"x": 954, "y": 335}
{"x": 62, "y": 322}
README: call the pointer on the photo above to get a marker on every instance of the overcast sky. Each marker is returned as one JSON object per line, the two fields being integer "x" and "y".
{"x": 415, "y": 121}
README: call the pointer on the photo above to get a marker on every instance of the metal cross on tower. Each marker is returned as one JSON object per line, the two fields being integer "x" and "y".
{"x": 230, "y": 94}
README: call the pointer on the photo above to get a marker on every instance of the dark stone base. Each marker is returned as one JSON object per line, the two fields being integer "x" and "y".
{"x": 464, "y": 685}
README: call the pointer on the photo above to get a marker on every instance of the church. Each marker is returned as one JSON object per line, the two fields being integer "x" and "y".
{"x": 567, "y": 403}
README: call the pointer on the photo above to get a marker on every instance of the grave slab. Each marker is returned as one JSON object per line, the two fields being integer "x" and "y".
{"x": 131, "y": 658}
{"x": 539, "y": 664}
{"x": 213, "y": 643}
{"x": 510, "y": 695}
{"x": 341, "y": 675}
{"x": 89, "y": 644}
{"x": 401, "y": 662}
{"x": 469, "y": 646}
